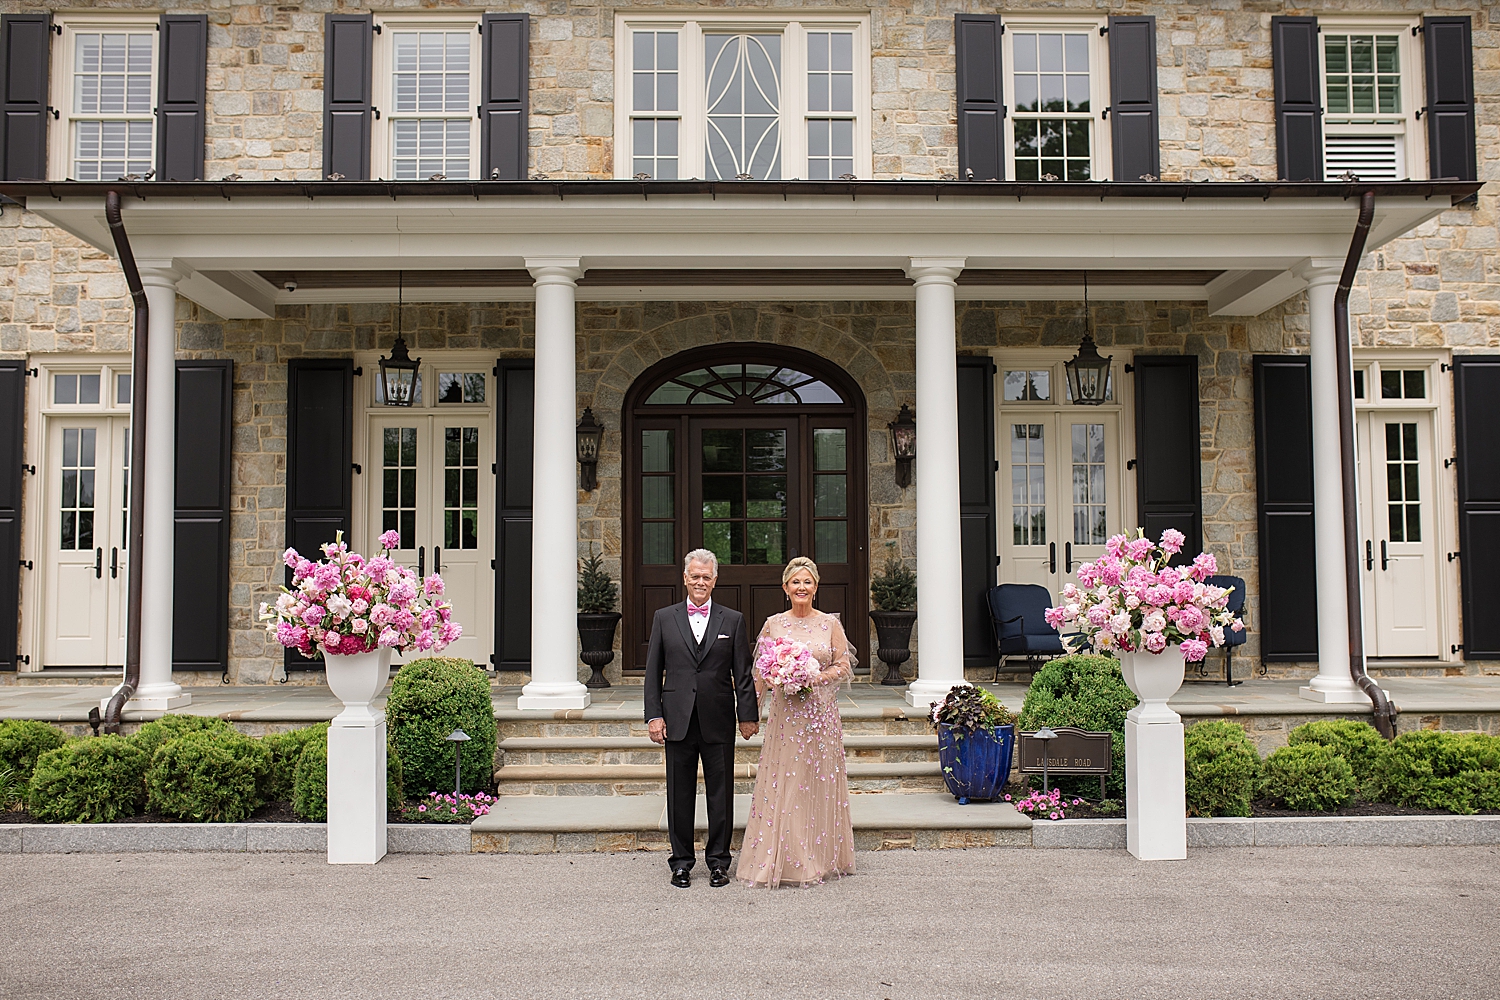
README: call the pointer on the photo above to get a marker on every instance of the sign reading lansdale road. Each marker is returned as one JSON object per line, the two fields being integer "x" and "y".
{"x": 1071, "y": 751}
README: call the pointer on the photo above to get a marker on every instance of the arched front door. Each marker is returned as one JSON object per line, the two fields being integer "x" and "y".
{"x": 753, "y": 451}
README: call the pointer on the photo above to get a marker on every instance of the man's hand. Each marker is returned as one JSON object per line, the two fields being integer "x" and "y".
{"x": 658, "y": 728}
{"x": 749, "y": 729}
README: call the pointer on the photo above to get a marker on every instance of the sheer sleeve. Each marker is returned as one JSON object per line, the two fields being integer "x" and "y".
{"x": 844, "y": 658}
{"x": 760, "y": 685}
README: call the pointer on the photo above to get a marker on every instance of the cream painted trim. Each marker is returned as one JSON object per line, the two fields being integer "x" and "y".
{"x": 1413, "y": 135}
{"x": 382, "y": 89}
{"x": 60, "y": 90}
{"x": 1102, "y": 141}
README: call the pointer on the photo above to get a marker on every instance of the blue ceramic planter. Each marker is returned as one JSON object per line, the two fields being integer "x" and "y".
{"x": 976, "y": 765}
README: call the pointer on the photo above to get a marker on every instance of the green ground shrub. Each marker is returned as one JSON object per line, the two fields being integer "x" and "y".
{"x": 209, "y": 776}
{"x": 1088, "y": 692}
{"x": 1430, "y": 769}
{"x": 286, "y": 749}
{"x": 22, "y": 741}
{"x": 1308, "y": 776}
{"x": 429, "y": 699}
{"x": 92, "y": 780}
{"x": 1222, "y": 768}
{"x": 1357, "y": 742}
{"x": 153, "y": 734}
{"x": 310, "y": 784}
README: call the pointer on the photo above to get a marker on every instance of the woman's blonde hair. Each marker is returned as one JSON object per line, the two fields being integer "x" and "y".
{"x": 801, "y": 562}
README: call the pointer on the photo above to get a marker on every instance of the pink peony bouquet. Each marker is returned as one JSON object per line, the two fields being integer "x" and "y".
{"x": 348, "y": 604}
{"x": 1130, "y": 600}
{"x": 787, "y": 664}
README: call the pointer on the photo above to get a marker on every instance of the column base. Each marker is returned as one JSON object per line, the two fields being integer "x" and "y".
{"x": 1337, "y": 694}
{"x": 161, "y": 698}
{"x": 356, "y": 792}
{"x": 544, "y": 697}
{"x": 1155, "y": 791}
{"x": 924, "y": 693}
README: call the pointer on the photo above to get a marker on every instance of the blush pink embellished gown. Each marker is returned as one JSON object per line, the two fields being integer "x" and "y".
{"x": 798, "y": 831}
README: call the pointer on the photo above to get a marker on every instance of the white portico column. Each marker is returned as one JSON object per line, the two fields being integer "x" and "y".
{"x": 554, "y": 492}
{"x": 1333, "y": 682}
{"x": 940, "y": 652}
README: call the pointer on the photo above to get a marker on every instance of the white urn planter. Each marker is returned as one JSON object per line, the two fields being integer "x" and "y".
{"x": 1155, "y": 792}
{"x": 357, "y": 758}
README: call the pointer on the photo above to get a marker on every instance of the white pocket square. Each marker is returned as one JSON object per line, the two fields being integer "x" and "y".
{"x": 723, "y": 637}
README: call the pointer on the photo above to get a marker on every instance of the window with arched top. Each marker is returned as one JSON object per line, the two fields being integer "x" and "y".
{"x": 723, "y": 385}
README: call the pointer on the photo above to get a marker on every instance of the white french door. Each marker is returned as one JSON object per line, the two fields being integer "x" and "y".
{"x": 1060, "y": 492}
{"x": 430, "y": 481}
{"x": 86, "y": 572}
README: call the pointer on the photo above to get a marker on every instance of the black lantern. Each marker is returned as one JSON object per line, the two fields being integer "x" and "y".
{"x": 904, "y": 444}
{"x": 398, "y": 373}
{"x": 1088, "y": 372}
{"x": 590, "y": 436}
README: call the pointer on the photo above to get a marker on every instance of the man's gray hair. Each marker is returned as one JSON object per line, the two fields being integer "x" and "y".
{"x": 702, "y": 556}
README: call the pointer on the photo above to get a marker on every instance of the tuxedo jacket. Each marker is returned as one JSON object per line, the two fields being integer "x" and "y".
{"x": 713, "y": 676}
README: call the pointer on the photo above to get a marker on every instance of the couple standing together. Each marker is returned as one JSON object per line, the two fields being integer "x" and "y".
{"x": 700, "y": 679}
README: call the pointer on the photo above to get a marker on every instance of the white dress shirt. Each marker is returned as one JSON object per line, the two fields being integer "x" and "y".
{"x": 700, "y": 622}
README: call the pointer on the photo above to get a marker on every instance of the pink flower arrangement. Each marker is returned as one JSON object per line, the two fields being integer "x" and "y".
{"x": 348, "y": 604}
{"x": 1130, "y": 600}
{"x": 787, "y": 664}
{"x": 441, "y": 807}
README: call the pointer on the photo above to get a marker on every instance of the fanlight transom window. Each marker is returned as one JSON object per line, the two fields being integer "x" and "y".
{"x": 724, "y": 385}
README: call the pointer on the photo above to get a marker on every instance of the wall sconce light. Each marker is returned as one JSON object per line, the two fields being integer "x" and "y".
{"x": 590, "y": 436}
{"x": 904, "y": 444}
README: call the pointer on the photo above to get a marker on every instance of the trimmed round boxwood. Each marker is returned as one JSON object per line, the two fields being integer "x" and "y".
{"x": 1088, "y": 692}
{"x": 429, "y": 699}
{"x": 153, "y": 734}
{"x": 1431, "y": 769}
{"x": 310, "y": 784}
{"x": 92, "y": 780}
{"x": 210, "y": 776}
{"x": 286, "y": 750}
{"x": 1308, "y": 776}
{"x": 1357, "y": 742}
{"x": 1222, "y": 769}
{"x": 22, "y": 741}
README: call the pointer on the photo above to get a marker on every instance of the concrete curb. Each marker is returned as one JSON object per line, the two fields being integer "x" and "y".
{"x": 138, "y": 838}
{"x": 1308, "y": 831}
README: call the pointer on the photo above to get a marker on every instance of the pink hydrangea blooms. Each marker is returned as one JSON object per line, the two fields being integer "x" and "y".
{"x": 347, "y": 604}
{"x": 1130, "y": 600}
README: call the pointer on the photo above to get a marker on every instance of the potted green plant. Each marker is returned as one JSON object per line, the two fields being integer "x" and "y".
{"x": 894, "y": 591}
{"x": 597, "y": 618}
{"x": 976, "y": 741}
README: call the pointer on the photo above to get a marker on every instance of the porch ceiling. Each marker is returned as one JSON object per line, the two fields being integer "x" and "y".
{"x": 239, "y": 244}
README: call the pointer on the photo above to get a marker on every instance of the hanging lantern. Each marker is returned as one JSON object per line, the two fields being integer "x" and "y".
{"x": 1088, "y": 372}
{"x": 590, "y": 437}
{"x": 398, "y": 375}
{"x": 904, "y": 444}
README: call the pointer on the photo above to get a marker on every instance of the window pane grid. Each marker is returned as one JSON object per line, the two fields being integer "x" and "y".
{"x": 1028, "y": 484}
{"x": 1053, "y": 120}
{"x": 77, "y": 500}
{"x": 461, "y": 487}
{"x": 1403, "y": 477}
{"x": 399, "y": 484}
{"x": 111, "y": 108}
{"x": 1088, "y": 484}
{"x": 431, "y": 79}
{"x": 743, "y": 98}
{"x": 125, "y": 494}
{"x": 658, "y": 499}
{"x": 744, "y": 510}
{"x": 1363, "y": 74}
{"x": 830, "y": 495}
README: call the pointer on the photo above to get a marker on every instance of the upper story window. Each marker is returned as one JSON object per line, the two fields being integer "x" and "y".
{"x": 1055, "y": 90}
{"x": 1370, "y": 100}
{"x": 104, "y": 87}
{"x": 748, "y": 96}
{"x": 426, "y": 83}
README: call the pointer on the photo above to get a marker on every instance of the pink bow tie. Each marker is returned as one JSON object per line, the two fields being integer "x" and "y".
{"x": 693, "y": 609}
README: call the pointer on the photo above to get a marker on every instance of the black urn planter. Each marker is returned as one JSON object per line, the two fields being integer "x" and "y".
{"x": 894, "y": 631}
{"x": 596, "y": 634}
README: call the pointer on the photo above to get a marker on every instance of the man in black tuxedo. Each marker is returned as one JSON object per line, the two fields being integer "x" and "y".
{"x": 698, "y": 683}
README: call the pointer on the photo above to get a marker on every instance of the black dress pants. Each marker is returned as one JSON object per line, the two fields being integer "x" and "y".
{"x": 682, "y": 792}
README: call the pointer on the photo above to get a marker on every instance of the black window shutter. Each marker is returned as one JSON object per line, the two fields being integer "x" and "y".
{"x": 182, "y": 97}
{"x": 319, "y": 461}
{"x": 513, "y": 435}
{"x": 1299, "y": 98}
{"x": 1450, "y": 98}
{"x": 506, "y": 83}
{"x": 981, "y": 96}
{"x": 12, "y": 451}
{"x": 25, "y": 43}
{"x": 200, "y": 589}
{"x": 1284, "y": 507}
{"x": 1132, "y": 97}
{"x": 1168, "y": 474}
{"x": 1476, "y": 414}
{"x": 976, "y": 499}
{"x": 348, "y": 107}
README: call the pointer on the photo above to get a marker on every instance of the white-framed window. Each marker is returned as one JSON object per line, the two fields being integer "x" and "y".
{"x": 104, "y": 89}
{"x": 1056, "y": 90}
{"x": 1372, "y": 92}
{"x": 426, "y": 76}
{"x": 720, "y": 97}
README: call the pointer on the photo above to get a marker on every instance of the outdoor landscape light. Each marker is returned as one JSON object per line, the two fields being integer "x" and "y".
{"x": 904, "y": 444}
{"x": 1044, "y": 734}
{"x": 590, "y": 437}
{"x": 1088, "y": 371}
{"x": 398, "y": 373}
{"x": 458, "y": 738}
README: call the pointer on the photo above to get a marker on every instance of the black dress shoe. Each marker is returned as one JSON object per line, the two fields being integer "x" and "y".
{"x": 681, "y": 879}
{"x": 718, "y": 877}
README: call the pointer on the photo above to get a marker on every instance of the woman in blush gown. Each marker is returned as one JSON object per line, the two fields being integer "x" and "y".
{"x": 799, "y": 831}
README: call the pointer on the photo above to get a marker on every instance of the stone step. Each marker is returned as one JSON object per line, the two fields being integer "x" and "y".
{"x": 852, "y": 741}
{"x": 641, "y": 779}
{"x": 611, "y": 750}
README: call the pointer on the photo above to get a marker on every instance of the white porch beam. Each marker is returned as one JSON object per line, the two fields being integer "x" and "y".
{"x": 231, "y": 294}
{"x": 940, "y": 599}
{"x": 554, "y": 519}
{"x": 1250, "y": 293}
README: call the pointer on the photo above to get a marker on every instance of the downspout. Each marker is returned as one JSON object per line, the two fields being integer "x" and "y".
{"x": 137, "y": 486}
{"x": 1385, "y": 712}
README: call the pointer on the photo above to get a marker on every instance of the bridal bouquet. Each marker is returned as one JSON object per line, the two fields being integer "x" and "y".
{"x": 348, "y": 604}
{"x": 1132, "y": 601}
{"x": 787, "y": 664}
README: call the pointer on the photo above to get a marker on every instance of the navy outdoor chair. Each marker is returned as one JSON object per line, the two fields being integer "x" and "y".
{"x": 1231, "y": 637}
{"x": 1016, "y": 614}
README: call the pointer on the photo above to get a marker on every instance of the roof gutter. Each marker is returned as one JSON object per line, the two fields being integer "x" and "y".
{"x": 1385, "y": 712}
{"x": 138, "y": 389}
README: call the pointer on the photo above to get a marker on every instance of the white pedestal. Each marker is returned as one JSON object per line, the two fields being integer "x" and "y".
{"x": 356, "y": 791}
{"x": 1155, "y": 792}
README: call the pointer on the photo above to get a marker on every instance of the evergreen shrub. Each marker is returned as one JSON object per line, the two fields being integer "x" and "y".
{"x": 597, "y": 593}
{"x": 93, "y": 780}
{"x": 310, "y": 781}
{"x": 894, "y": 588}
{"x": 153, "y": 734}
{"x": 1357, "y": 742}
{"x": 22, "y": 741}
{"x": 1222, "y": 769}
{"x": 1088, "y": 692}
{"x": 209, "y": 776}
{"x": 429, "y": 699}
{"x": 1430, "y": 769}
{"x": 286, "y": 750}
{"x": 1308, "y": 776}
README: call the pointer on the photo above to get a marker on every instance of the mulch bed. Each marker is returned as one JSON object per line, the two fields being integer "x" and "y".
{"x": 1259, "y": 809}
